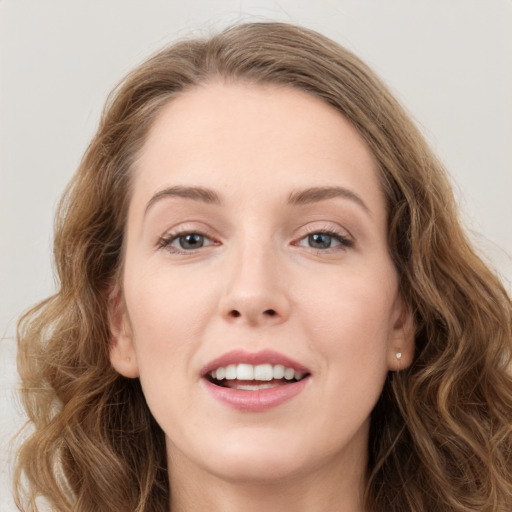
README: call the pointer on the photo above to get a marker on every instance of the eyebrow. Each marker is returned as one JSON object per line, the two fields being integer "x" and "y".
{"x": 202, "y": 194}
{"x": 296, "y": 198}
{"x": 316, "y": 194}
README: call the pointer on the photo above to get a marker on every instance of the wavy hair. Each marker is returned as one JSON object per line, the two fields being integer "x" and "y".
{"x": 440, "y": 435}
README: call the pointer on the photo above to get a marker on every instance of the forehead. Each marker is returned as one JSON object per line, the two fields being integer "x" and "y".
{"x": 259, "y": 138}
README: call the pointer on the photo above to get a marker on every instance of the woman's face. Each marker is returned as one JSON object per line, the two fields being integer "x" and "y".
{"x": 260, "y": 307}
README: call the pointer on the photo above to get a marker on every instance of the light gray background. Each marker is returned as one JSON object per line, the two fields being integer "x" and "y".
{"x": 449, "y": 61}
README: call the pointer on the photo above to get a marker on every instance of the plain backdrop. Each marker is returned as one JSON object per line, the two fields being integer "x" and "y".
{"x": 448, "y": 61}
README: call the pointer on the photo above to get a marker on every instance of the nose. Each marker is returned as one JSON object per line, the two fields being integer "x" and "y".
{"x": 255, "y": 290}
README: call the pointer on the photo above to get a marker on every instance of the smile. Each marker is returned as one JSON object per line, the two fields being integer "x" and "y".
{"x": 254, "y": 382}
{"x": 271, "y": 375}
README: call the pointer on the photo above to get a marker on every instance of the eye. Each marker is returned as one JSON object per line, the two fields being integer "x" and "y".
{"x": 322, "y": 240}
{"x": 184, "y": 242}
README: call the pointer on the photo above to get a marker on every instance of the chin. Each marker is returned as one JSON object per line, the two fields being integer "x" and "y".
{"x": 259, "y": 456}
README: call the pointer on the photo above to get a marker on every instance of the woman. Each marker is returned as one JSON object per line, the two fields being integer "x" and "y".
{"x": 266, "y": 302}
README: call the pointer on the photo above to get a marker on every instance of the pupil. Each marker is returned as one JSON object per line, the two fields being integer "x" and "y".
{"x": 320, "y": 241}
{"x": 191, "y": 241}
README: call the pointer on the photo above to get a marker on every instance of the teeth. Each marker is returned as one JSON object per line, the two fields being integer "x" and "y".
{"x": 261, "y": 372}
{"x": 289, "y": 373}
{"x": 231, "y": 372}
{"x": 254, "y": 387}
{"x": 278, "y": 371}
{"x": 243, "y": 372}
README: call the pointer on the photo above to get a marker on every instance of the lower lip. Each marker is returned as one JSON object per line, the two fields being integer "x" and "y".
{"x": 258, "y": 400}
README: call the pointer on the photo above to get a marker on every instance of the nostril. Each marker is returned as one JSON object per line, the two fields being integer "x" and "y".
{"x": 234, "y": 313}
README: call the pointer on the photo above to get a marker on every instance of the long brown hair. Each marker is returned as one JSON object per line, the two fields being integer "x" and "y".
{"x": 440, "y": 435}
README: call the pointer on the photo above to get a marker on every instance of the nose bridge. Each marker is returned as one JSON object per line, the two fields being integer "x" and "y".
{"x": 255, "y": 291}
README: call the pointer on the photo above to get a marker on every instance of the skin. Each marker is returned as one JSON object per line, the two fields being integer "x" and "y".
{"x": 257, "y": 283}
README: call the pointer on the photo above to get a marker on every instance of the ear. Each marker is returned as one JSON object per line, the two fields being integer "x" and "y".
{"x": 122, "y": 350}
{"x": 401, "y": 346}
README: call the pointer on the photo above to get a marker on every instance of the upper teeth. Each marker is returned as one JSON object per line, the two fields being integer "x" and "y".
{"x": 255, "y": 372}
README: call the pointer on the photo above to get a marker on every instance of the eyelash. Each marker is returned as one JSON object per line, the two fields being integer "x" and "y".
{"x": 166, "y": 241}
{"x": 344, "y": 241}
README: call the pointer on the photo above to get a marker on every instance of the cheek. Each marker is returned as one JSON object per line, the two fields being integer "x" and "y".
{"x": 159, "y": 296}
{"x": 167, "y": 312}
{"x": 347, "y": 324}
{"x": 349, "y": 319}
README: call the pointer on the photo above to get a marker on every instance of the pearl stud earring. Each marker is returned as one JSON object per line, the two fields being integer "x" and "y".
{"x": 399, "y": 355}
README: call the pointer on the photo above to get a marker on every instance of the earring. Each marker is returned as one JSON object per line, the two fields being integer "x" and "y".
{"x": 398, "y": 356}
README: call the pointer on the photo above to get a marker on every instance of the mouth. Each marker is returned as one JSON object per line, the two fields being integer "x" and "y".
{"x": 254, "y": 382}
{"x": 249, "y": 377}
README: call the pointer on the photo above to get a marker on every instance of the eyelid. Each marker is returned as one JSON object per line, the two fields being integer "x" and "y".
{"x": 345, "y": 239}
{"x": 173, "y": 234}
{"x": 170, "y": 238}
{"x": 342, "y": 235}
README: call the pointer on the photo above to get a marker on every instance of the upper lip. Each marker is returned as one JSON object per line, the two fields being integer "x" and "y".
{"x": 254, "y": 358}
